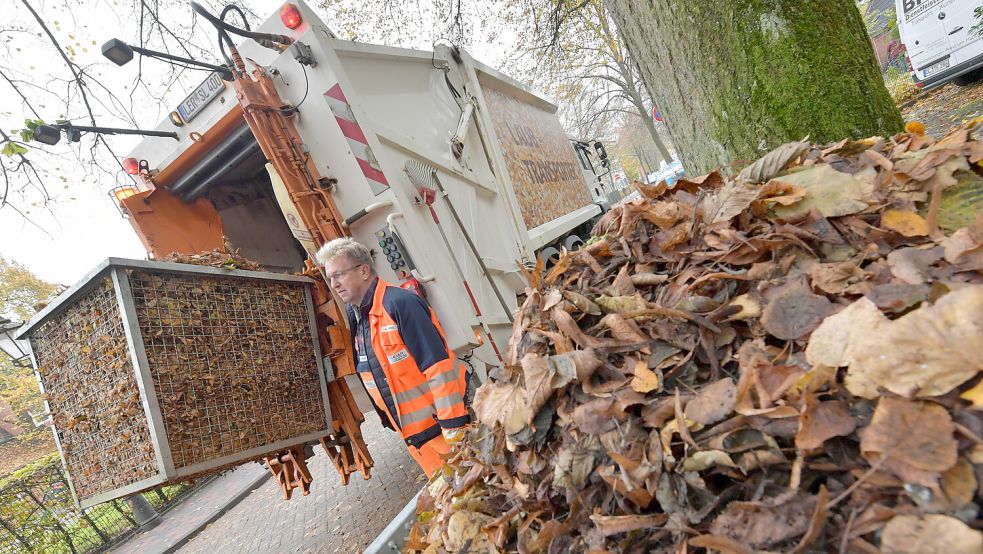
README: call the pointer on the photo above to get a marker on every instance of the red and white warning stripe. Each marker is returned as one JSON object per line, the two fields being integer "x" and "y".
{"x": 359, "y": 145}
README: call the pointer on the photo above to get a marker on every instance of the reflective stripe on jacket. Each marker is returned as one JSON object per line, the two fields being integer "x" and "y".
{"x": 421, "y": 377}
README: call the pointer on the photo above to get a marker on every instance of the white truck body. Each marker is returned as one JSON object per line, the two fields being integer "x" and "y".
{"x": 364, "y": 112}
{"x": 940, "y": 38}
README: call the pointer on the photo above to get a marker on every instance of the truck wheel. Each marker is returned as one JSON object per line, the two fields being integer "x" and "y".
{"x": 549, "y": 255}
{"x": 573, "y": 243}
{"x": 967, "y": 79}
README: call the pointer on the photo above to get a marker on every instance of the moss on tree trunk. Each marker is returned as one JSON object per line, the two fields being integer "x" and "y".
{"x": 734, "y": 78}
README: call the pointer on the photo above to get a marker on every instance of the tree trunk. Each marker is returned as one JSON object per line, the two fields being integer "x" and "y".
{"x": 654, "y": 133}
{"x": 734, "y": 78}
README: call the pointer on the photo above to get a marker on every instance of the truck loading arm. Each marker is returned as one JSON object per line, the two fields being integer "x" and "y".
{"x": 271, "y": 123}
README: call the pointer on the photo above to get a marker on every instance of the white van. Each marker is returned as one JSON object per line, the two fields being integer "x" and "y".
{"x": 940, "y": 46}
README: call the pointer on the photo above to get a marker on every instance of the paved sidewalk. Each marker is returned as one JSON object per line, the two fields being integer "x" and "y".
{"x": 333, "y": 518}
{"x": 206, "y": 504}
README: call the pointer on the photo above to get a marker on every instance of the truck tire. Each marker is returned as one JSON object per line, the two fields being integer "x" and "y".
{"x": 549, "y": 255}
{"x": 967, "y": 79}
{"x": 573, "y": 243}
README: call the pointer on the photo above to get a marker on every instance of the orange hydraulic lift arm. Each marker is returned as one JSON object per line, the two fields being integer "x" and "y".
{"x": 271, "y": 123}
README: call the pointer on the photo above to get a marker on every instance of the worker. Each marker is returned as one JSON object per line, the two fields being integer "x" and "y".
{"x": 402, "y": 356}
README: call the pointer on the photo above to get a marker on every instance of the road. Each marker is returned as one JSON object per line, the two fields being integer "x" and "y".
{"x": 333, "y": 518}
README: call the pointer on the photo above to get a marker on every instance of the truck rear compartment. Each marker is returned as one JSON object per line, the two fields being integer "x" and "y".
{"x": 234, "y": 179}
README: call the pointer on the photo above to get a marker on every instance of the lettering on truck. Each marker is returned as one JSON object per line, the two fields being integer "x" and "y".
{"x": 915, "y": 8}
{"x": 541, "y": 171}
{"x": 542, "y": 164}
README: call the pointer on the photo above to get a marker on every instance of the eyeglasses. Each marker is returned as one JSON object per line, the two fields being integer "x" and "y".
{"x": 337, "y": 274}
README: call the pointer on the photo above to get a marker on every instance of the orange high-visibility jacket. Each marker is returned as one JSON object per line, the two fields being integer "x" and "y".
{"x": 409, "y": 371}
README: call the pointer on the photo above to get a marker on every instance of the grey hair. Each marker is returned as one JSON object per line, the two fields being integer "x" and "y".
{"x": 356, "y": 251}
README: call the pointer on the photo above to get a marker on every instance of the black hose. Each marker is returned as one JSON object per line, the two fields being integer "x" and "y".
{"x": 226, "y": 38}
{"x": 237, "y": 9}
{"x": 279, "y": 39}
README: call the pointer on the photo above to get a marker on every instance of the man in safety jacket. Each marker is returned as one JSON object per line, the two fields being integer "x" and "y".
{"x": 402, "y": 356}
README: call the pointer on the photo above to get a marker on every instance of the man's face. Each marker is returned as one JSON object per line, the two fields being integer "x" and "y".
{"x": 348, "y": 278}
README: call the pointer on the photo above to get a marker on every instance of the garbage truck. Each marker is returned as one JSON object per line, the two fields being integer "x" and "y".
{"x": 459, "y": 177}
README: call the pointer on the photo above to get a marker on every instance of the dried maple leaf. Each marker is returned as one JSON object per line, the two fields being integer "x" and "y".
{"x": 927, "y": 352}
{"x": 915, "y": 433}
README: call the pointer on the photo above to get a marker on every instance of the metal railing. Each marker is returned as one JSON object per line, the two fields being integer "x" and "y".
{"x": 37, "y": 513}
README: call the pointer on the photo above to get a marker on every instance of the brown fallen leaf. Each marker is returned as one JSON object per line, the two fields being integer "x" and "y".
{"x": 773, "y": 163}
{"x": 897, "y": 297}
{"x": 538, "y": 377}
{"x": 915, "y": 433}
{"x": 596, "y": 416}
{"x": 837, "y": 278}
{"x": 927, "y": 352}
{"x": 749, "y": 307}
{"x": 612, "y": 525}
{"x": 464, "y": 527}
{"x": 713, "y": 403}
{"x": 830, "y": 192}
{"x": 645, "y": 379}
{"x": 726, "y": 202}
{"x": 905, "y": 223}
{"x": 908, "y": 534}
{"x": 584, "y": 304}
{"x": 794, "y": 313}
{"x": 964, "y": 249}
{"x": 758, "y": 524}
{"x": 502, "y": 403}
{"x": 959, "y": 484}
{"x": 913, "y": 265}
{"x": 833, "y": 342}
{"x": 622, "y": 285}
{"x": 822, "y": 421}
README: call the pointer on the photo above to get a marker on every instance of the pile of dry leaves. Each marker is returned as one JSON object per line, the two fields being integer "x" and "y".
{"x": 784, "y": 360}
{"x": 225, "y": 258}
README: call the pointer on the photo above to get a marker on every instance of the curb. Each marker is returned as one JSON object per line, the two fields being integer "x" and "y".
{"x": 221, "y": 511}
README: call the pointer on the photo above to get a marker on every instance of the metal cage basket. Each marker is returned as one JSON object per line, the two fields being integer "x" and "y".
{"x": 155, "y": 372}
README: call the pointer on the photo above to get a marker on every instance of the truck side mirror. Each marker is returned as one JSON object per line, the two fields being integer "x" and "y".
{"x": 601, "y": 152}
{"x": 605, "y": 163}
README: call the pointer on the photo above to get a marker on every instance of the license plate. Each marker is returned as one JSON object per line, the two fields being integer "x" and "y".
{"x": 937, "y": 68}
{"x": 207, "y": 91}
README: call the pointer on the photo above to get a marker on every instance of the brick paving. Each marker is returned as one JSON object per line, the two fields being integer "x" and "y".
{"x": 333, "y": 518}
{"x": 206, "y": 504}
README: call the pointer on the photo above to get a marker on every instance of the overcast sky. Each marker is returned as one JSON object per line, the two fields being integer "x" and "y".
{"x": 82, "y": 225}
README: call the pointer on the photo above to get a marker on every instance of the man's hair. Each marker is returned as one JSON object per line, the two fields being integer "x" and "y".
{"x": 359, "y": 253}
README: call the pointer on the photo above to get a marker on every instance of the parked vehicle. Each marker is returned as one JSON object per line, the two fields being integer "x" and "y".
{"x": 942, "y": 45}
{"x": 670, "y": 173}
